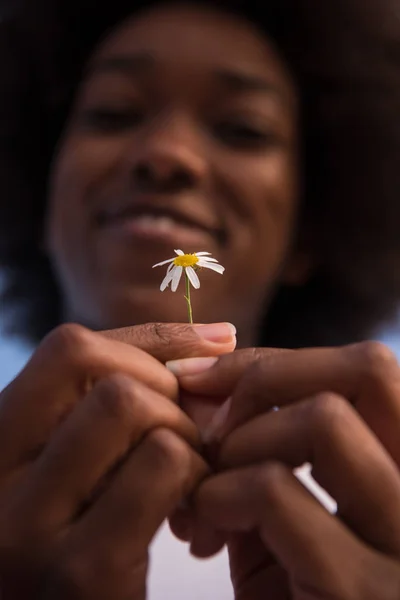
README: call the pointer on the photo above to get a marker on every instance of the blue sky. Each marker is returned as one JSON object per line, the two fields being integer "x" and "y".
{"x": 12, "y": 358}
{"x": 13, "y": 355}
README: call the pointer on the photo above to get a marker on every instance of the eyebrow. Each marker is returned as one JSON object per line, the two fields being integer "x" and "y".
{"x": 125, "y": 63}
{"x": 236, "y": 80}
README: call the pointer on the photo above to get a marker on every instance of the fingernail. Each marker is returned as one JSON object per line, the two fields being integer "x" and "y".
{"x": 217, "y": 332}
{"x": 191, "y": 366}
{"x": 214, "y": 428}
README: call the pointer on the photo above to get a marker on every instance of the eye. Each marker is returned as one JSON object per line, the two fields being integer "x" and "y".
{"x": 109, "y": 120}
{"x": 241, "y": 134}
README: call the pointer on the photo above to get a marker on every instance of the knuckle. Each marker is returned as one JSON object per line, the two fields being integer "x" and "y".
{"x": 256, "y": 368}
{"x": 327, "y": 410}
{"x": 164, "y": 341}
{"x": 171, "y": 451}
{"x": 164, "y": 332}
{"x": 261, "y": 354}
{"x": 178, "y": 338}
{"x": 253, "y": 366}
{"x": 254, "y": 355}
{"x": 376, "y": 358}
{"x": 69, "y": 340}
{"x": 160, "y": 333}
{"x": 271, "y": 482}
{"x": 332, "y": 418}
{"x": 260, "y": 361}
{"x": 117, "y": 396}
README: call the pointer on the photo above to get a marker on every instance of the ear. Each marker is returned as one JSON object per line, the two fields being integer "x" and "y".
{"x": 298, "y": 269}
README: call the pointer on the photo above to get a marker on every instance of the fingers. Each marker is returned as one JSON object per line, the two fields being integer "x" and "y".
{"x": 366, "y": 374}
{"x": 69, "y": 362}
{"x": 255, "y": 570}
{"x": 169, "y": 341}
{"x": 218, "y": 376}
{"x": 204, "y": 540}
{"x": 106, "y": 553}
{"x": 327, "y": 432}
{"x": 112, "y": 421}
{"x": 312, "y": 545}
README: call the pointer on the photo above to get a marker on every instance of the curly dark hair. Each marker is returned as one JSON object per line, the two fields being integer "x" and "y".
{"x": 345, "y": 55}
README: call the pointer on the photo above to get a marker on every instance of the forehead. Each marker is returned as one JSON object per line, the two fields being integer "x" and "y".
{"x": 195, "y": 36}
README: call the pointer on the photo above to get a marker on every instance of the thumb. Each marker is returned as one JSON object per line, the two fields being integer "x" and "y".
{"x": 170, "y": 341}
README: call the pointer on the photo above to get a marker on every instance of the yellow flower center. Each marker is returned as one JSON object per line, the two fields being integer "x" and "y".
{"x": 187, "y": 260}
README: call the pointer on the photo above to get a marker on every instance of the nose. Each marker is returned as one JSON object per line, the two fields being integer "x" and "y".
{"x": 168, "y": 159}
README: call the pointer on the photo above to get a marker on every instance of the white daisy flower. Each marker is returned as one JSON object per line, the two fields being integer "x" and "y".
{"x": 187, "y": 263}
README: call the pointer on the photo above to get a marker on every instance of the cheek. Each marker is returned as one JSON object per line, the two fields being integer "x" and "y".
{"x": 268, "y": 190}
{"x": 79, "y": 169}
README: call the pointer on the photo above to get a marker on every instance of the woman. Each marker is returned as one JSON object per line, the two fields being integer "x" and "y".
{"x": 270, "y": 139}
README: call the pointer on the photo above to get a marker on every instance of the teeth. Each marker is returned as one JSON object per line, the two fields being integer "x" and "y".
{"x": 165, "y": 223}
{"x": 155, "y": 223}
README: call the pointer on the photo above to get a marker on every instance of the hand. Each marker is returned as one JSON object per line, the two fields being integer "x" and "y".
{"x": 94, "y": 454}
{"x": 339, "y": 411}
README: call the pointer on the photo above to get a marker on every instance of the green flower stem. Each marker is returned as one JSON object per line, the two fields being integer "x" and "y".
{"x": 187, "y": 298}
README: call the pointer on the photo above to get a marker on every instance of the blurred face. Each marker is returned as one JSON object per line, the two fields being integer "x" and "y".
{"x": 183, "y": 135}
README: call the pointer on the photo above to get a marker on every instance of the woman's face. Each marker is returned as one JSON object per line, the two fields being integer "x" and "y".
{"x": 183, "y": 135}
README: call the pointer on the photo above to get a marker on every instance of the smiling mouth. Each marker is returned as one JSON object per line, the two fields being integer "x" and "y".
{"x": 165, "y": 224}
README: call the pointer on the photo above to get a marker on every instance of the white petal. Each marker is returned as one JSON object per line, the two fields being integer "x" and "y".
{"x": 217, "y": 268}
{"x": 167, "y": 279}
{"x": 203, "y": 253}
{"x": 164, "y": 262}
{"x": 179, "y": 252}
{"x": 194, "y": 280}
{"x": 164, "y": 284}
{"x": 207, "y": 259}
{"x": 176, "y": 277}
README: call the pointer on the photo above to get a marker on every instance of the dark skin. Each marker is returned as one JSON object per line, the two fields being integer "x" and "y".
{"x": 95, "y": 451}
{"x": 90, "y": 431}
{"x": 339, "y": 411}
{"x": 212, "y": 138}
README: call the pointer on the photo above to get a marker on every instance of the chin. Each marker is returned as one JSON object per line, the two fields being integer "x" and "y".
{"x": 143, "y": 307}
